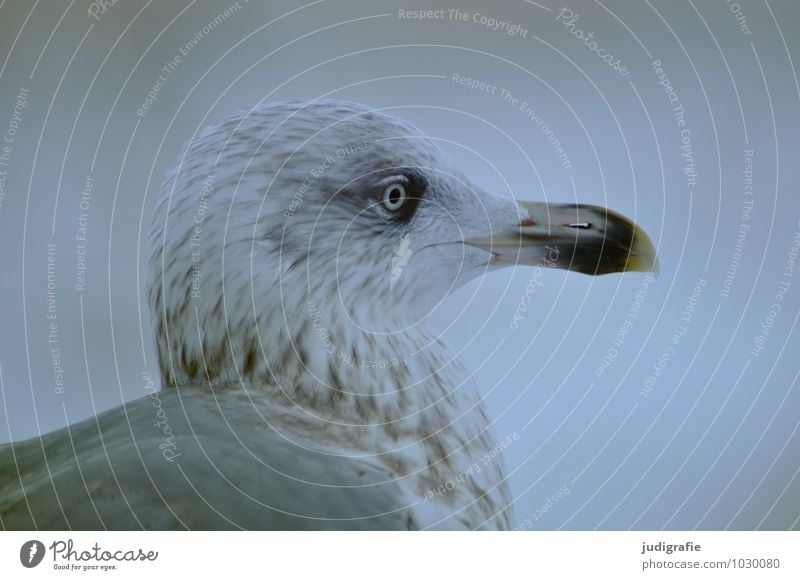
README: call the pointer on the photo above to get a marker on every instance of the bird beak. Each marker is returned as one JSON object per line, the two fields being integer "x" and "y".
{"x": 582, "y": 238}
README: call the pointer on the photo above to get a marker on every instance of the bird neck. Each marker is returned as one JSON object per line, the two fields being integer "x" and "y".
{"x": 399, "y": 397}
{"x": 365, "y": 376}
{"x": 403, "y": 399}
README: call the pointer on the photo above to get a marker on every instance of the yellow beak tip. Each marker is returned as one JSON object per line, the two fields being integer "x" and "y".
{"x": 643, "y": 256}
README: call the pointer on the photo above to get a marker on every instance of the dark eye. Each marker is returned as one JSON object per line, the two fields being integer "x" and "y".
{"x": 394, "y": 196}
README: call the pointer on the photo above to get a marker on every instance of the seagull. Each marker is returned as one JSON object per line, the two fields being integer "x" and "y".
{"x": 298, "y": 249}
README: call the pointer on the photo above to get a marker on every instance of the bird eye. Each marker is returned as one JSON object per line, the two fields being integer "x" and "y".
{"x": 394, "y": 196}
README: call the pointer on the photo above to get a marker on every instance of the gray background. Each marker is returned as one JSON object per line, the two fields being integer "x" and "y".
{"x": 713, "y": 446}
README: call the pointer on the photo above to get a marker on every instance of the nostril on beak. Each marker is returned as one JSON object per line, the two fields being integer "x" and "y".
{"x": 580, "y": 225}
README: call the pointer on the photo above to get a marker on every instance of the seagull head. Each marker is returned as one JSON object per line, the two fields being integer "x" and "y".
{"x": 379, "y": 208}
{"x": 295, "y": 208}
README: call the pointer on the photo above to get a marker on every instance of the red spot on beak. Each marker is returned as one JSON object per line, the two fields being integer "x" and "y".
{"x": 526, "y": 223}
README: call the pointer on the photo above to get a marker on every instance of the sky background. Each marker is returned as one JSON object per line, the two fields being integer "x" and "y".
{"x": 669, "y": 402}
